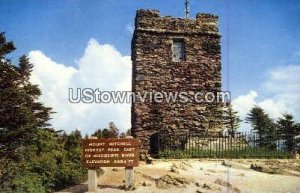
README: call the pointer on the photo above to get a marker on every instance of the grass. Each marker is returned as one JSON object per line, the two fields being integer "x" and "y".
{"x": 246, "y": 152}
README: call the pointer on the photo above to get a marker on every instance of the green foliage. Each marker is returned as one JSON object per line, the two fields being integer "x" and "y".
{"x": 5, "y": 47}
{"x": 54, "y": 165}
{"x": 285, "y": 129}
{"x": 20, "y": 112}
{"x": 29, "y": 182}
{"x": 231, "y": 120}
{"x": 288, "y": 130}
{"x": 125, "y": 134}
{"x": 245, "y": 152}
{"x": 98, "y": 134}
{"x": 264, "y": 126}
{"x": 33, "y": 157}
{"x": 111, "y": 132}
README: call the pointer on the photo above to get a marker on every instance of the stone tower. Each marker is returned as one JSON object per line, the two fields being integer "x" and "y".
{"x": 174, "y": 55}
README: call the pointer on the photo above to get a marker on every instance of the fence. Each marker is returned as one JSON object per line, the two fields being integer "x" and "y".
{"x": 222, "y": 145}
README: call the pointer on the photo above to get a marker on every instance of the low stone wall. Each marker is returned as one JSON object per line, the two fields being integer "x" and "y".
{"x": 216, "y": 143}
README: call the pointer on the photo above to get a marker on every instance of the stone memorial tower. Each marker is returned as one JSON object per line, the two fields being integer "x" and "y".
{"x": 172, "y": 55}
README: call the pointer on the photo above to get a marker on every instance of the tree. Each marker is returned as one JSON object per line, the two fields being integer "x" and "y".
{"x": 264, "y": 126}
{"x": 231, "y": 120}
{"x": 297, "y": 138}
{"x": 98, "y": 133}
{"x": 33, "y": 156}
{"x": 106, "y": 134}
{"x": 128, "y": 132}
{"x": 20, "y": 112}
{"x": 73, "y": 140}
{"x": 288, "y": 130}
{"x": 113, "y": 130}
{"x": 124, "y": 134}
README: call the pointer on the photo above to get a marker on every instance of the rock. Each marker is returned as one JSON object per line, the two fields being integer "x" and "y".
{"x": 142, "y": 157}
{"x": 173, "y": 169}
{"x": 187, "y": 164}
{"x": 146, "y": 184}
{"x": 211, "y": 171}
{"x": 256, "y": 167}
{"x": 271, "y": 169}
{"x": 115, "y": 169}
{"x": 197, "y": 184}
{"x": 196, "y": 123}
{"x": 99, "y": 171}
{"x": 206, "y": 186}
{"x": 122, "y": 187}
{"x": 182, "y": 166}
{"x": 182, "y": 180}
{"x": 227, "y": 185}
{"x": 162, "y": 185}
{"x": 149, "y": 159}
{"x": 130, "y": 188}
{"x": 168, "y": 181}
{"x": 173, "y": 127}
{"x": 226, "y": 163}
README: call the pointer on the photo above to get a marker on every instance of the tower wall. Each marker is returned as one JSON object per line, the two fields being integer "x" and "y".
{"x": 155, "y": 71}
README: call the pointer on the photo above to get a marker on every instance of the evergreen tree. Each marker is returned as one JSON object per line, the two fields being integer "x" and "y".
{"x": 33, "y": 157}
{"x": 297, "y": 138}
{"x": 122, "y": 135}
{"x": 106, "y": 133}
{"x": 128, "y": 132}
{"x": 98, "y": 133}
{"x": 231, "y": 120}
{"x": 73, "y": 140}
{"x": 288, "y": 130}
{"x": 113, "y": 130}
{"x": 125, "y": 134}
{"x": 21, "y": 115}
{"x": 264, "y": 126}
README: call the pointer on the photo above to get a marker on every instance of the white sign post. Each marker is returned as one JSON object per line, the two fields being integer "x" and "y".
{"x": 92, "y": 178}
{"x": 129, "y": 178}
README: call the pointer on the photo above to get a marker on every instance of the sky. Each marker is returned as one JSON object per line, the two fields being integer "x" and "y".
{"x": 86, "y": 44}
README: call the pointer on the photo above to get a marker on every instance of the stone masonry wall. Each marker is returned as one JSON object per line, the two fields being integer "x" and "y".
{"x": 154, "y": 71}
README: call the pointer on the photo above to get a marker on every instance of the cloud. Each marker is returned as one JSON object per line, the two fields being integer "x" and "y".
{"x": 284, "y": 80}
{"x": 130, "y": 28}
{"x": 282, "y": 87}
{"x": 244, "y": 103}
{"x": 102, "y": 67}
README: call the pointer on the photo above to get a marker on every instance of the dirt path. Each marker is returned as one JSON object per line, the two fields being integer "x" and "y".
{"x": 206, "y": 176}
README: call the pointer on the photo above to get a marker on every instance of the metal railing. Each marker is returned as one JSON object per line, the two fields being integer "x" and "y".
{"x": 222, "y": 145}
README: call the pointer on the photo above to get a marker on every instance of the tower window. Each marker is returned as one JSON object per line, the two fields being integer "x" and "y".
{"x": 178, "y": 50}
